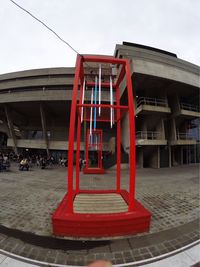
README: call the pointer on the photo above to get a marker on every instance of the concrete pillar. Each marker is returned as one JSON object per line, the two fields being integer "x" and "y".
{"x": 158, "y": 151}
{"x": 181, "y": 155}
{"x": 11, "y": 128}
{"x": 112, "y": 143}
{"x": 160, "y": 129}
{"x": 170, "y": 157}
{"x": 144, "y": 129}
{"x": 44, "y": 128}
{"x": 189, "y": 154}
{"x": 173, "y": 130}
{"x": 154, "y": 161}
{"x": 140, "y": 157}
{"x": 195, "y": 154}
{"x": 125, "y": 133}
{"x": 174, "y": 104}
{"x": 174, "y": 161}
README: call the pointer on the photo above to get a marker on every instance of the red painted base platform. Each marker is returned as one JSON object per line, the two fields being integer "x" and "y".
{"x": 94, "y": 171}
{"x": 101, "y": 224}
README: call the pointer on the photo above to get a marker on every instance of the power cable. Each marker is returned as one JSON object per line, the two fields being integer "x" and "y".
{"x": 34, "y": 17}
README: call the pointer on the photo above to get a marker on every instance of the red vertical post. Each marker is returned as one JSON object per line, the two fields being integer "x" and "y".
{"x": 131, "y": 137}
{"x": 78, "y": 141}
{"x": 87, "y": 148}
{"x": 101, "y": 147}
{"x": 99, "y": 155}
{"x": 71, "y": 136}
{"x": 118, "y": 142}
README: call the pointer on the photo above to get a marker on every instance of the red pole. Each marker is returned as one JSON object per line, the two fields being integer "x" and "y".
{"x": 101, "y": 147}
{"x": 87, "y": 144}
{"x": 131, "y": 137}
{"x": 71, "y": 136}
{"x": 99, "y": 156}
{"x": 118, "y": 185}
{"x": 78, "y": 140}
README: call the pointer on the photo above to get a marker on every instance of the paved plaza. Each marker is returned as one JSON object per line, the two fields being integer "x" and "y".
{"x": 27, "y": 200}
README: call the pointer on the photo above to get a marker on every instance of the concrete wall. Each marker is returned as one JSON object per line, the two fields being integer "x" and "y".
{"x": 125, "y": 133}
{"x": 161, "y": 65}
{"x": 54, "y": 145}
{"x": 41, "y": 95}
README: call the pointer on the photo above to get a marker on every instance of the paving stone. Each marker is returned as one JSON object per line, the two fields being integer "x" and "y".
{"x": 136, "y": 252}
{"x": 152, "y": 248}
{"x": 103, "y": 249}
{"x": 143, "y": 250}
{"x": 90, "y": 258}
{"x": 119, "y": 261}
{"x": 80, "y": 263}
{"x": 18, "y": 248}
{"x": 120, "y": 245}
{"x": 140, "y": 241}
{"x": 108, "y": 256}
{"x": 170, "y": 206}
{"x": 156, "y": 253}
{"x": 146, "y": 255}
{"x": 127, "y": 253}
{"x": 25, "y": 252}
{"x": 127, "y": 259}
{"x": 41, "y": 256}
{"x": 2, "y": 238}
{"x": 34, "y": 253}
{"x": 118, "y": 255}
{"x": 51, "y": 256}
{"x": 99, "y": 256}
{"x": 174, "y": 208}
{"x": 61, "y": 258}
{"x": 138, "y": 258}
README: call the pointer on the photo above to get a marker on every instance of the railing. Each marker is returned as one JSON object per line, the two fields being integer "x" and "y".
{"x": 189, "y": 107}
{"x": 150, "y": 135}
{"x": 152, "y": 101}
{"x": 184, "y": 136}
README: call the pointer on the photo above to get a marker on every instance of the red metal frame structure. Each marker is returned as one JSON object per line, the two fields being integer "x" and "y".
{"x": 66, "y": 222}
{"x": 96, "y": 146}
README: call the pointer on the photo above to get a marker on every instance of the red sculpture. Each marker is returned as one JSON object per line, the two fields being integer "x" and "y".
{"x": 100, "y": 74}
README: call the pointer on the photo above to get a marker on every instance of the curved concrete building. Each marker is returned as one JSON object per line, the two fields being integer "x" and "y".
{"x": 35, "y": 108}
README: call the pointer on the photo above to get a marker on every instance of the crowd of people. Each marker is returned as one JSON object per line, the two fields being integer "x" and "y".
{"x": 26, "y": 161}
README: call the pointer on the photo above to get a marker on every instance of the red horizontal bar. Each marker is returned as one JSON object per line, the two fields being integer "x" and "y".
{"x": 103, "y": 85}
{"x": 103, "y": 59}
{"x": 97, "y": 191}
{"x": 102, "y": 106}
{"x": 100, "y": 120}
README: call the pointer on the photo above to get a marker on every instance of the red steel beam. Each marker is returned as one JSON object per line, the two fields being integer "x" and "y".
{"x": 132, "y": 157}
{"x": 71, "y": 136}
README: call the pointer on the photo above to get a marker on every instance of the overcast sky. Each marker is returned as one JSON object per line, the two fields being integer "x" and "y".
{"x": 94, "y": 27}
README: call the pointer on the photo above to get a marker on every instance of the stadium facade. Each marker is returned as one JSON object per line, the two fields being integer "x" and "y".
{"x": 35, "y": 109}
